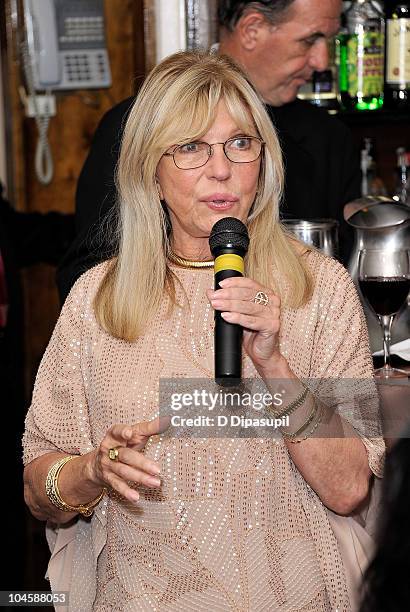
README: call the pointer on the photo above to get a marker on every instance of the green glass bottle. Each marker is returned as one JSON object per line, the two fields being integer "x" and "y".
{"x": 360, "y": 57}
{"x": 397, "y": 87}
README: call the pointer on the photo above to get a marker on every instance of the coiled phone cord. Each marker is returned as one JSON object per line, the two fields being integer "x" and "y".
{"x": 44, "y": 164}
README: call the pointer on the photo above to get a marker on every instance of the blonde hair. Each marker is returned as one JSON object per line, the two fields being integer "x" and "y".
{"x": 177, "y": 103}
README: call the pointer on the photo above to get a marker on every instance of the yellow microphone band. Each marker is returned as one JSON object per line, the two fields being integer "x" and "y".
{"x": 229, "y": 261}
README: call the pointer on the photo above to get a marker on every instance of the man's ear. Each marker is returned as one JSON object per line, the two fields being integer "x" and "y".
{"x": 252, "y": 28}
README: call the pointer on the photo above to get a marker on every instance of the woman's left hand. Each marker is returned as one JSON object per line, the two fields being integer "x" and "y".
{"x": 261, "y": 322}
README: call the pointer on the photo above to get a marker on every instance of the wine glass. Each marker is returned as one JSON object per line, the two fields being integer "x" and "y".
{"x": 384, "y": 280}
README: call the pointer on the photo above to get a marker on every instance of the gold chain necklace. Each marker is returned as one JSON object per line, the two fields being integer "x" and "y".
{"x": 188, "y": 263}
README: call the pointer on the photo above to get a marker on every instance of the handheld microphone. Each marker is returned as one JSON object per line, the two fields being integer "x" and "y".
{"x": 229, "y": 243}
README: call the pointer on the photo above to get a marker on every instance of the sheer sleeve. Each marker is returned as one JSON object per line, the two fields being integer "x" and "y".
{"x": 57, "y": 419}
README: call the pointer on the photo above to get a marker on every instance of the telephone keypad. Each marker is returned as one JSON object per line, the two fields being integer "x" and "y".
{"x": 80, "y": 69}
{"x": 81, "y": 34}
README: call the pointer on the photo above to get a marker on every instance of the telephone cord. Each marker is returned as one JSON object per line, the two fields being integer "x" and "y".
{"x": 44, "y": 165}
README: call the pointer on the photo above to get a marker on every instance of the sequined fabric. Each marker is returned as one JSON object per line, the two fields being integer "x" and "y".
{"x": 234, "y": 526}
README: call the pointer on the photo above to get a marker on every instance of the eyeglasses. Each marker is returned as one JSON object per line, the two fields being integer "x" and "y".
{"x": 240, "y": 150}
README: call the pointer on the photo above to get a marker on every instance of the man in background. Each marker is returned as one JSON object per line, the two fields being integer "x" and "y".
{"x": 25, "y": 239}
{"x": 279, "y": 44}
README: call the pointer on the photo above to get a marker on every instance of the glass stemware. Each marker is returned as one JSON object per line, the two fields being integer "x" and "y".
{"x": 384, "y": 280}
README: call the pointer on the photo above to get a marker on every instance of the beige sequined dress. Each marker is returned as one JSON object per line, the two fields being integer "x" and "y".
{"x": 234, "y": 527}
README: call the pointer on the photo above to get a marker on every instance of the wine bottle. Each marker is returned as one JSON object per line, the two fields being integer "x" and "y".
{"x": 360, "y": 57}
{"x": 397, "y": 86}
{"x": 402, "y": 191}
{"x": 372, "y": 183}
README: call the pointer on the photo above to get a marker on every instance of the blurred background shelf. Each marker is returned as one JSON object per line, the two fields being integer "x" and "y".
{"x": 376, "y": 118}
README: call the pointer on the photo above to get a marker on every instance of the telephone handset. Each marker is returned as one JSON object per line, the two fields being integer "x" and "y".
{"x": 66, "y": 44}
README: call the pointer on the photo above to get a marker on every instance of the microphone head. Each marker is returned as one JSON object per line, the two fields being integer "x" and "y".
{"x": 229, "y": 233}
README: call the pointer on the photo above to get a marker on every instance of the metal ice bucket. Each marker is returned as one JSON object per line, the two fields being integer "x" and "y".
{"x": 321, "y": 233}
{"x": 379, "y": 223}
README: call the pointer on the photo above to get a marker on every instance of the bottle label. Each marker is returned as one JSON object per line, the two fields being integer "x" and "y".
{"x": 365, "y": 64}
{"x": 398, "y": 52}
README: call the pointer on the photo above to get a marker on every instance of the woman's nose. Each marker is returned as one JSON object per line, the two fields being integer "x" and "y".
{"x": 218, "y": 165}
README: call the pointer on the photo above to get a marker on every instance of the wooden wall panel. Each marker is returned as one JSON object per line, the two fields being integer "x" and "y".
{"x": 9, "y": 21}
{"x": 70, "y": 135}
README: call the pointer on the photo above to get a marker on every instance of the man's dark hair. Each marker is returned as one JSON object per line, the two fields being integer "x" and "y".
{"x": 230, "y": 11}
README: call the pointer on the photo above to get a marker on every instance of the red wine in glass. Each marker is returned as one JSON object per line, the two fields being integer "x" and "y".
{"x": 384, "y": 280}
{"x": 385, "y": 295}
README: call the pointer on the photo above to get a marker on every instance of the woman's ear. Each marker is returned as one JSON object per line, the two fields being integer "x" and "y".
{"x": 159, "y": 190}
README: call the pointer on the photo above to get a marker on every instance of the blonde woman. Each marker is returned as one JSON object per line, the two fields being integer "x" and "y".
{"x": 197, "y": 524}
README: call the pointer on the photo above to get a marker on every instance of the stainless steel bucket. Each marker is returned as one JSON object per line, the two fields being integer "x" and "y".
{"x": 321, "y": 233}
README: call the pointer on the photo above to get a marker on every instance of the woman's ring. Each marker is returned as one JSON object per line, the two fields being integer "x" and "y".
{"x": 113, "y": 453}
{"x": 261, "y": 298}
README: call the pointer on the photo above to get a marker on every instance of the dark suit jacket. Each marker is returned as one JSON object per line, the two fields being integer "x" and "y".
{"x": 322, "y": 174}
{"x": 25, "y": 238}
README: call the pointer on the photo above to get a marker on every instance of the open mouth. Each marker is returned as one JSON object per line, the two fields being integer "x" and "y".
{"x": 220, "y": 203}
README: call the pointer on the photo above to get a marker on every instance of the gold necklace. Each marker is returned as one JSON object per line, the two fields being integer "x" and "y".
{"x": 188, "y": 263}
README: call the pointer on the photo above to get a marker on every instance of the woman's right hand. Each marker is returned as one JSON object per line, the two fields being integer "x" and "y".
{"x": 132, "y": 465}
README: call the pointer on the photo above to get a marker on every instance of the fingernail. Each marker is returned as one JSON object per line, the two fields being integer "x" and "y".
{"x": 226, "y": 315}
{"x": 134, "y": 496}
{"x": 155, "y": 469}
{"x": 127, "y": 433}
{"x": 154, "y": 481}
{"x": 223, "y": 282}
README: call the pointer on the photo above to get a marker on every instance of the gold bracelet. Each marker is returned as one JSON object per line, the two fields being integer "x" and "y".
{"x": 295, "y": 436}
{"x": 53, "y": 492}
{"x": 293, "y": 405}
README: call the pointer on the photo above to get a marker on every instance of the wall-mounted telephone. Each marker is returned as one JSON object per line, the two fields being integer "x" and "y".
{"x": 63, "y": 48}
{"x": 66, "y": 44}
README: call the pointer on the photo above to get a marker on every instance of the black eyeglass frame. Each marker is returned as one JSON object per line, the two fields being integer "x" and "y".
{"x": 210, "y": 150}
